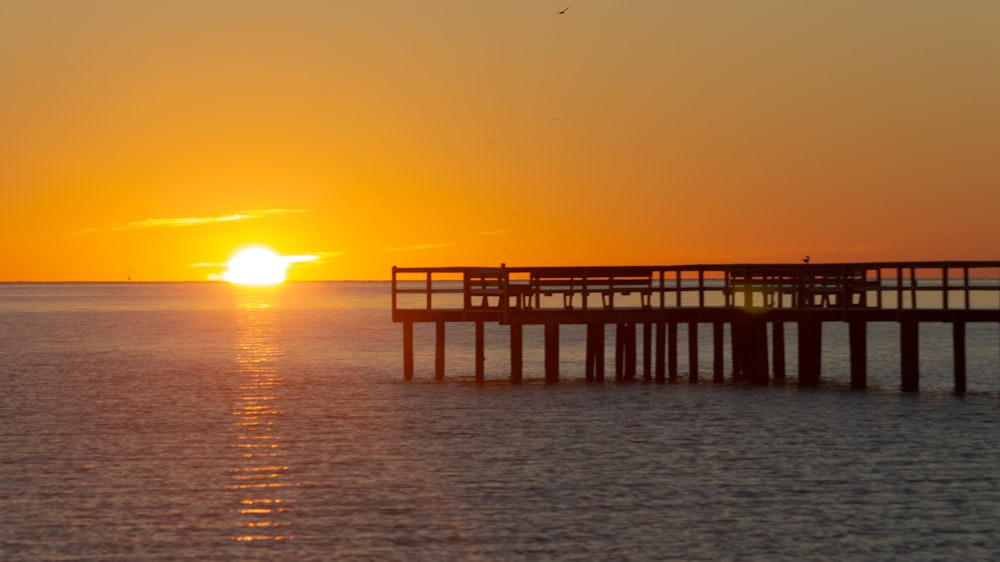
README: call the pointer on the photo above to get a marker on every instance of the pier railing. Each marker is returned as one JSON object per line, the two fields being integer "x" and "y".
{"x": 848, "y": 286}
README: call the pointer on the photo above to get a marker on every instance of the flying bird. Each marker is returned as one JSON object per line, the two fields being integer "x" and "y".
{"x": 805, "y": 259}
{"x": 563, "y": 11}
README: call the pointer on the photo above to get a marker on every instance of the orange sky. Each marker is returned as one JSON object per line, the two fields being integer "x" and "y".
{"x": 156, "y": 138}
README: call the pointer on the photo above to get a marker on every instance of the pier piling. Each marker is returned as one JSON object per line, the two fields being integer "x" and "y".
{"x": 958, "y": 345}
{"x": 439, "y": 351}
{"x": 909, "y": 331}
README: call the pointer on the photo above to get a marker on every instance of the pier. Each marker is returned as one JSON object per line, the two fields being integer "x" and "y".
{"x": 746, "y": 298}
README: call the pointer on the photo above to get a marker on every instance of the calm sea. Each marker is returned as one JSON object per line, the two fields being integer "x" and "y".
{"x": 209, "y": 422}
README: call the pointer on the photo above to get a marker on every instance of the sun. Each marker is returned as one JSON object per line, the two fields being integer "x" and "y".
{"x": 256, "y": 266}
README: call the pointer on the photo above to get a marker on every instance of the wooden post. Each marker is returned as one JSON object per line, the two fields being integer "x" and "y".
{"x": 619, "y": 352}
{"x": 551, "y": 352}
{"x": 647, "y": 351}
{"x": 958, "y": 339}
{"x": 778, "y": 349}
{"x": 630, "y": 358}
{"x": 661, "y": 351}
{"x": 480, "y": 352}
{"x": 439, "y": 352}
{"x": 516, "y": 353}
{"x": 692, "y": 352}
{"x": 737, "y": 334}
{"x": 590, "y": 352}
{"x": 672, "y": 350}
{"x": 909, "y": 330}
{"x": 408, "y": 350}
{"x": 718, "y": 352}
{"x": 858, "y": 334}
{"x": 810, "y": 351}
{"x": 755, "y": 353}
{"x": 599, "y": 355}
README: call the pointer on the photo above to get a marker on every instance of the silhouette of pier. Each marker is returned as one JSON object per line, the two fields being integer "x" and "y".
{"x": 657, "y": 299}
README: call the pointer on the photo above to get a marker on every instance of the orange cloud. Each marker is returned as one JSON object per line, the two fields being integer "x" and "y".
{"x": 177, "y": 222}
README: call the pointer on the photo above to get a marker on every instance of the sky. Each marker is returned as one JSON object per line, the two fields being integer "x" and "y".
{"x": 155, "y": 139}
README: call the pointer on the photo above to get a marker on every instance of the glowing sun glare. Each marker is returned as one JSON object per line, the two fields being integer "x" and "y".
{"x": 256, "y": 266}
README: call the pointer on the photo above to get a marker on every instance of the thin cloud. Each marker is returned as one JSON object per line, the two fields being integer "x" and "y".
{"x": 304, "y": 258}
{"x": 179, "y": 222}
{"x": 421, "y": 247}
{"x": 300, "y": 258}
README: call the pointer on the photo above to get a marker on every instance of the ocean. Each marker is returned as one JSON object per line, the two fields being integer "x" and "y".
{"x": 204, "y": 421}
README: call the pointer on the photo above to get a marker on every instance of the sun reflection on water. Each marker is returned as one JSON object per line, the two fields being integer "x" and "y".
{"x": 260, "y": 480}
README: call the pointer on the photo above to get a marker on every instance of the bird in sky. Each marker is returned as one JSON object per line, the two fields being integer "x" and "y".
{"x": 563, "y": 11}
{"x": 805, "y": 259}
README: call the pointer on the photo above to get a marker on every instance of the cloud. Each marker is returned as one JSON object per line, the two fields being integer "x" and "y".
{"x": 304, "y": 258}
{"x": 178, "y": 222}
{"x": 290, "y": 260}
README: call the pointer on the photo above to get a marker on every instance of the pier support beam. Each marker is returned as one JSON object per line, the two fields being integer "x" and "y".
{"x": 552, "y": 353}
{"x": 736, "y": 349}
{"x": 480, "y": 352}
{"x": 516, "y": 353}
{"x": 619, "y": 352}
{"x": 692, "y": 352}
{"x": 778, "y": 350}
{"x": 661, "y": 351}
{"x": 759, "y": 371}
{"x": 599, "y": 353}
{"x": 630, "y": 357}
{"x": 750, "y": 352}
{"x": 718, "y": 352}
{"x": 589, "y": 357}
{"x": 909, "y": 335}
{"x": 625, "y": 358}
{"x": 595, "y": 352}
{"x": 858, "y": 335}
{"x": 958, "y": 340}
{"x": 672, "y": 351}
{"x": 408, "y": 350}
{"x": 810, "y": 351}
{"x": 647, "y": 351}
{"x": 439, "y": 351}
{"x": 750, "y": 361}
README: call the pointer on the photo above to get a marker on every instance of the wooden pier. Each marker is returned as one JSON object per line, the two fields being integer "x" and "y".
{"x": 747, "y": 297}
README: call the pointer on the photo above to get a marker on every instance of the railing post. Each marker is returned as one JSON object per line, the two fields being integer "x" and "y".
{"x": 944, "y": 287}
{"x": 899, "y": 287}
{"x": 878, "y": 294}
{"x": 677, "y": 287}
{"x": 662, "y": 294}
{"x": 428, "y": 287}
{"x": 965, "y": 274}
{"x": 466, "y": 290}
{"x": 701, "y": 288}
{"x": 394, "y": 290}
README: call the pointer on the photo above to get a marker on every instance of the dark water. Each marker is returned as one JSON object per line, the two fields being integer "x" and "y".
{"x": 203, "y": 421}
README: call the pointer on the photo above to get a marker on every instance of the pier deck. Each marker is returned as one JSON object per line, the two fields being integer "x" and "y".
{"x": 745, "y": 296}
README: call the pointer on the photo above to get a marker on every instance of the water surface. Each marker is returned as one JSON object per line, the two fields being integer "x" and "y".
{"x": 204, "y": 421}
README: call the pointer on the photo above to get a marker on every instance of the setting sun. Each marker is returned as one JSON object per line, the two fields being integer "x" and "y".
{"x": 256, "y": 266}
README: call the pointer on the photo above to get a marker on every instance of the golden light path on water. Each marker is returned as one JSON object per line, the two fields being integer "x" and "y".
{"x": 260, "y": 479}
